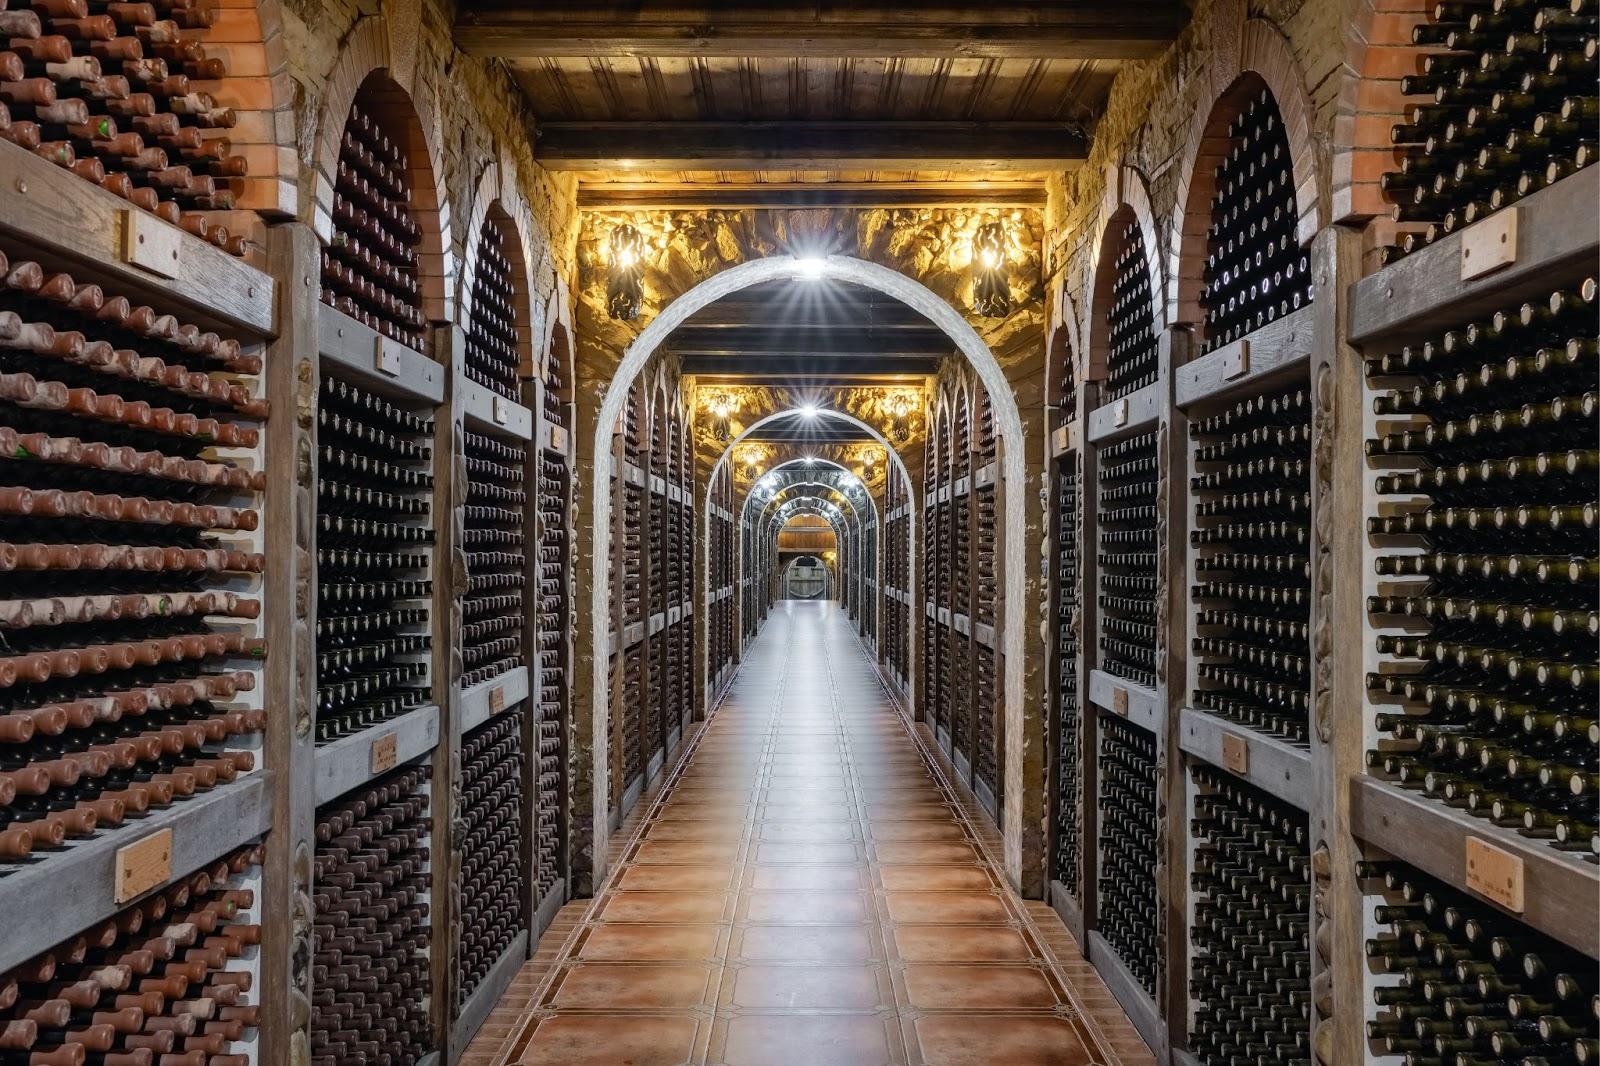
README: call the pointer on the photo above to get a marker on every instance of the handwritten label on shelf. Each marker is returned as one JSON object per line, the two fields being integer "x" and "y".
{"x": 1489, "y": 245}
{"x": 143, "y": 865}
{"x": 1119, "y": 413}
{"x": 1119, "y": 700}
{"x": 384, "y": 753}
{"x": 558, "y": 439}
{"x": 1236, "y": 753}
{"x": 502, "y": 411}
{"x": 1495, "y": 873}
{"x": 497, "y": 699}
{"x": 386, "y": 356}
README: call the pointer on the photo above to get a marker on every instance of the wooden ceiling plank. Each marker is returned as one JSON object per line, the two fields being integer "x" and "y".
{"x": 1022, "y": 29}
{"x": 746, "y": 146}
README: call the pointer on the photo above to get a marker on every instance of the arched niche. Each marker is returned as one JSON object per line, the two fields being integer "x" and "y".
{"x": 495, "y": 304}
{"x": 1251, "y": 56}
{"x": 373, "y": 73}
{"x": 1126, "y": 226}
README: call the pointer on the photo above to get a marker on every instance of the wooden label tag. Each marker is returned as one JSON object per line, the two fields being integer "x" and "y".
{"x": 1119, "y": 413}
{"x": 1119, "y": 700}
{"x": 502, "y": 411}
{"x": 143, "y": 865}
{"x": 1495, "y": 873}
{"x": 497, "y": 699}
{"x": 384, "y": 753}
{"x": 386, "y": 357}
{"x": 151, "y": 244}
{"x": 1489, "y": 245}
{"x": 1236, "y": 753}
{"x": 1236, "y": 360}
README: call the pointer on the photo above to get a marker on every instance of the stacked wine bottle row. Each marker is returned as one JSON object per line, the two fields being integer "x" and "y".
{"x": 1456, "y": 981}
{"x": 117, "y": 95}
{"x": 985, "y": 663}
{"x": 932, "y": 706}
{"x": 371, "y": 981}
{"x": 940, "y": 629}
{"x": 492, "y": 887}
{"x": 554, "y": 649}
{"x": 1250, "y": 892}
{"x": 494, "y": 619}
{"x": 374, "y": 528}
{"x": 492, "y": 351}
{"x": 1489, "y": 558}
{"x": 1503, "y": 108}
{"x": 1126, "y": 557}
{"x": 370, "y": 268}
{"x": 125, "y": 535}
{"x": 1069, "y": 772}
{"x": 167, "y": 981}
{"x": 1255, "y": 270}
{"x": 1130, "y": 320}
{"x": 1250, "y": 490}
{"x": 1129, "y": 842}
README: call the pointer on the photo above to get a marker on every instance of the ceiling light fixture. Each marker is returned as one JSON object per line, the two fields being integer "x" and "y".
{"x": 810, "y": 266}
{"x": 809, "y": 410}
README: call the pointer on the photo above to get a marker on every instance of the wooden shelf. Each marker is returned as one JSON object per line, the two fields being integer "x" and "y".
{"x": 1556, "y": 242}
{"x": 1277, "y": 351}
{"x": 65, "y": 892}
{"x": 476, "y": 1010}
{"x": 486, "y": 411}
{"x": 74, "y": 225}
{"x": 488, "y": 698}
{"x": 376, "y": 362}
{"x": 347, "y": 763}
{"x": 1139, "y": 1005}
{"x": 1559, "y": 890}
{"x": 1134, "y": 412}
{"x": 1139, "y": 705}
{"x": 1270, "y": 764}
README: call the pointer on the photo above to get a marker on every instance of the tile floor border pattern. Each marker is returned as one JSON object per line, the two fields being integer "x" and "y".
{"x": 898, "y": 939}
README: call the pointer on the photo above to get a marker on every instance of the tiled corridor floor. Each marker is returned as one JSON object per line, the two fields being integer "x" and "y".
{"x": 807, "y": 892}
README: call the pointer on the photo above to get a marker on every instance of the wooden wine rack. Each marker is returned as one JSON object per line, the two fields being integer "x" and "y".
{"x": 1315, "y": 351}
{"x": 653, "y": 684}
{"x": 963, "y": 545}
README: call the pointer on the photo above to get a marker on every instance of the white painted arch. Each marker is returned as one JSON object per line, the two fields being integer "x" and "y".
{"x": 1008, "y": 430}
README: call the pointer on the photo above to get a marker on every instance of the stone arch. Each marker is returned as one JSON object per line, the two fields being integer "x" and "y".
{"x": 381, "y": 57}
{"x": 556, "y": 343}
{"x": 489, "y": 205}
{"x": 1011, "y": 442}
{"x": 1251, "y": 54}
{"x": 1127, "y": 199}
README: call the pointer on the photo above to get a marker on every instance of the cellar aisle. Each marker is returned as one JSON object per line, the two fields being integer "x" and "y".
{"x": 807, "y": 890}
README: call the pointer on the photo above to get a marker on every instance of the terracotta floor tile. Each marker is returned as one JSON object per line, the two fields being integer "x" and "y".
{"x": 955, "y": 943}
{"x": 612, "y": 1040}
{"x": 685, "y": 878}
{"x": 935, "y": 878}
{"x": 788, "y": 908}
{"x": 664, "y": 907}
{"x": 826, "y": 1040}
{"x": 721, "y": 832}
{"x": 940, "y": 986}
{"x": 634, "y": 986}
{"x": 921, "y": 851}
{"x": 807, "y": 943}
{"x": 808, "y": 878}
{"x": 769, "y": 854}
{"x": 977, "y": 1040}
{"x": 806, "y": 832}
{"x": 947, "y": 832}
{"x": 632, "y": 942}
{"x": 709, "y": 853}
{"x": 789, "y": 987}
{"x": 952, "y": 908}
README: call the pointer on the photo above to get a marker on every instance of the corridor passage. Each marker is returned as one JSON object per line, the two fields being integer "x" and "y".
{"x": 806, "y": 891}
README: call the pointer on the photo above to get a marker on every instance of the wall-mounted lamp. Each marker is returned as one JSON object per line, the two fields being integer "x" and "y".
{"x": 869, "y": 456}
{"x": 750, "y": 458}
{"x": 721, "y": 406}
{"x": 624, "y": 293}
{"x": 900, "y": 405}
{"x": 991, "y": 295}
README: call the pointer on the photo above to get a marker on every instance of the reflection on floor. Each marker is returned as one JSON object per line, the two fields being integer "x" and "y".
{"x": 807, "y": 891}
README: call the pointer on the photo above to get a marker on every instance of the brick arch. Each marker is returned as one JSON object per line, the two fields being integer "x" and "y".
{"x": 1377, "y": 53}
{"x": 489, "y": 205}
{"x": 371, "y": 60}
{"x": 557, "y": 338}
{"x": 1262, "y": 59}
{"x": 1127, "y": 199}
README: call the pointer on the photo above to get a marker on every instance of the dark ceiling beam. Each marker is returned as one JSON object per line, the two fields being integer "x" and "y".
{"x": 667, "y": 196}
{"x": 900, "y": 29}
{"x": 989, "y": 146}
{"x": 808, "y": 367}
